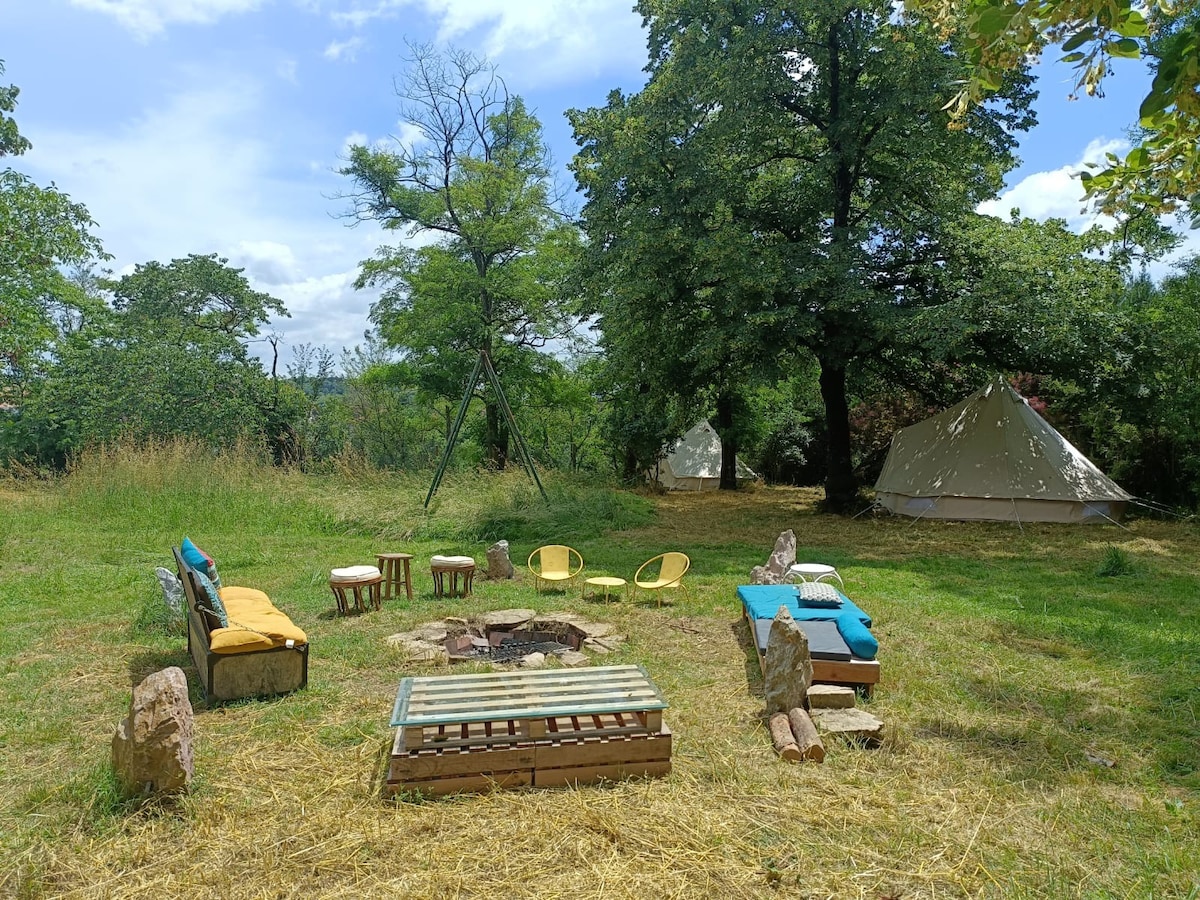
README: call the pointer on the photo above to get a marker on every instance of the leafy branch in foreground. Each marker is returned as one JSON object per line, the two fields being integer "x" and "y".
{"x": 1162, "y": 172}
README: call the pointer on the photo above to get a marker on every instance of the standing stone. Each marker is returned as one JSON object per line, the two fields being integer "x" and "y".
{"x": 782, "y": 558}
{"x": 152, "y": 748}
{"x": 789, "y": 668}
{"x": 498, "y": 564}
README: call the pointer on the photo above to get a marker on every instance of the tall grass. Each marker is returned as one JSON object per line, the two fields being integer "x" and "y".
{"x": 1009, "y": 667}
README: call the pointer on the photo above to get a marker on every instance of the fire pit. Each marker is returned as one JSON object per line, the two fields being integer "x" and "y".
{"x": 501, "y": 645}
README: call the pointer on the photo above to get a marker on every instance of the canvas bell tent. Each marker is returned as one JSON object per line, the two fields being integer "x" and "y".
{"x": 993, "y": 457}
{"x": 694, "y": 464}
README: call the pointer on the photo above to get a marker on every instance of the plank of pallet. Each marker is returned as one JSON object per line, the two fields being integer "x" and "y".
{"x": 591, "y": 774}
{"x": 439, "y": 787}
{"x": 603, "y": 752}
{"x": 449, "y": 763}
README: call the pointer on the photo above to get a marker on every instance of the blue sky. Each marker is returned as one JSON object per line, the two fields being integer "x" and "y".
{"x": 199, "y": 126}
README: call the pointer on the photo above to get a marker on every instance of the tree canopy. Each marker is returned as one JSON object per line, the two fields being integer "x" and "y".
{"x": 784, "y": 183}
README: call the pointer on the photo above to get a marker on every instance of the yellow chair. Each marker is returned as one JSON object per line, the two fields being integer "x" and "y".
{"x": 556, "y": 563}
{"x": 672, "y": 567}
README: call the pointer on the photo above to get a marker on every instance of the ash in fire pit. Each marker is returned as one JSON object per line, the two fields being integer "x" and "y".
{"x": 501, "y": 645}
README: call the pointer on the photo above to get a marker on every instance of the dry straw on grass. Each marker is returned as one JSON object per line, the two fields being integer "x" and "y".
{"x": 981, "y": 789}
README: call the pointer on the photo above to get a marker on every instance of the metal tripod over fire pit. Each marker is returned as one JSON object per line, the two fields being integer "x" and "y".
{"x": 484, "y": 363}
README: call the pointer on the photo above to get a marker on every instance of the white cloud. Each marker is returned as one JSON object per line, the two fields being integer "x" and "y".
{"x": 570, "y": 40}
{"x": 287, "y": 70}
{"x": 1057, "y": 193}
{"x": 347, "y": 49}
{"x": 146, "y": 18}
{"x": 199, "y": 174}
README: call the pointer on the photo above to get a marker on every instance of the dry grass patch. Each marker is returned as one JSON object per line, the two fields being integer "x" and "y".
{"x": 1007, "y": 666}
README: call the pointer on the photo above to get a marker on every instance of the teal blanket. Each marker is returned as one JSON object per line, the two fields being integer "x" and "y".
{"x": 762, "y": 601}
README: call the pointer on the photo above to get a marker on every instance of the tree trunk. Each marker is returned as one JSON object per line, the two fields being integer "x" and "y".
{"x": 841, "y": 491}
{"x": 496, "y": 437}
{"x": 728, "y": 443}
{"x": 630, "y": 473}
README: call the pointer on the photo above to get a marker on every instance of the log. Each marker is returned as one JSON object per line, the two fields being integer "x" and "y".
{"x": 781, "y": 737}
{"x": 804, "y": 733}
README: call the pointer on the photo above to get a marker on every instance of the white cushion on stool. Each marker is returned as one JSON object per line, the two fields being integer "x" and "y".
{"x": 354, "y": 573}
{"x": 452, "y": 562}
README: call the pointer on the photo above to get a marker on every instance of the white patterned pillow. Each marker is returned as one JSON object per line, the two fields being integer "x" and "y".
{"x": 819, "y": 594}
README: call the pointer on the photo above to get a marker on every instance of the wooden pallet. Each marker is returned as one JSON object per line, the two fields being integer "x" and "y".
{"x": 551, "y": 762}
{"x": 542, "y": 727}
{"x": 861, "y": 674}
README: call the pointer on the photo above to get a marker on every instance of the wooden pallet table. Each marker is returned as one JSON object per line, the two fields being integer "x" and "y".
{"x": 540, "y": 727}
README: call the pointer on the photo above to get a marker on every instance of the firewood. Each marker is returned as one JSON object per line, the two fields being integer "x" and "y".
{"x": 781, "y": 737}
{"x": 804, "y": 733}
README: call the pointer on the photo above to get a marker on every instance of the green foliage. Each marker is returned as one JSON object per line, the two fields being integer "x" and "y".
{"x": 477, "y": 179}
{"x": 1162, "y": 171}
{"x": 784, "y": 182}
{"x": 1116, "y": 562}
{"x": 11, "y": 141}
{"x": 168, "y": 359}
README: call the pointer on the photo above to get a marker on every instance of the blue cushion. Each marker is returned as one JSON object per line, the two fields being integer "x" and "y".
{"x": 210, "y": 599}
{"x": 762, "y": 601}
{"x": 194, "y": 556}
{"x": 857, "y": 636}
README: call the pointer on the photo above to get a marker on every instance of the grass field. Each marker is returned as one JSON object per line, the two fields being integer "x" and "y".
{"x": 1012, "y": 670}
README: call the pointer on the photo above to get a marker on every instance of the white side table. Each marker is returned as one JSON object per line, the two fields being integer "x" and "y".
{"x": 814, "y": 572}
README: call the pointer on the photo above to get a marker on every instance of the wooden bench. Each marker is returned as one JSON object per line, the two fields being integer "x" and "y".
{"x": 232, "y": 676}
{"x": 540, "y": 727}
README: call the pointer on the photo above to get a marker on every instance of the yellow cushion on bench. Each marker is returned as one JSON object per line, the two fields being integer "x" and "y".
{"x": 254, "y": 623}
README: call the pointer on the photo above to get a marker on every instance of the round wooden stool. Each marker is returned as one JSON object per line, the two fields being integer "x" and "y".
{"x": 452, "y": 566}
{"x": 395, "y": 573}
{"x": 354, "y": 579}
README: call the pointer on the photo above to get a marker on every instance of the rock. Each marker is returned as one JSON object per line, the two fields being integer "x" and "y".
{"x": 594, "y": 629}
{"x": 854, "y": 724}
{"x": 533, "y": 661}
{"x": 415, "y": 649}
{"x": 432, "y": 632}
{"x": 498, "y": 564}
{"x": 573, "y": 659}
{"x": 782, "y": 558}
{"x": 788, "y": 665}
{"x": 152, "y": 747}
{"x": 605, "y": 644}
{"x": 830, "y": 696}
{"x": 597, "y": 647}
{"x": 507, "y": 618}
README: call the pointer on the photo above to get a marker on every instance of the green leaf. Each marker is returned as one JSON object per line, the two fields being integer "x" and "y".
{"x": 1073, "y": 57}
{"x": 1079, "y": 38}
{"x": 1126, "y": 48}
{"x": 992, "y": 21}
{"x": 1156, "y": 102}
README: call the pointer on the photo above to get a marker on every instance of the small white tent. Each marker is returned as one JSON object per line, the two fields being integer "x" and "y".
{"x": 695, "y": 462}
{"x": 993, "y": 457}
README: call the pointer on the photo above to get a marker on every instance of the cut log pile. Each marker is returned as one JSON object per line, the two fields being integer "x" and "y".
{"x": 798, "y": 711}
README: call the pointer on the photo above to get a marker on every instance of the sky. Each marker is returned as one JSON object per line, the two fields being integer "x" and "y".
{"x": 202, "y": 126}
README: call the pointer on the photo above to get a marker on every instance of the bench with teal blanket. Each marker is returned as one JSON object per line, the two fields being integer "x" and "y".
{"x": 762, "y": 601}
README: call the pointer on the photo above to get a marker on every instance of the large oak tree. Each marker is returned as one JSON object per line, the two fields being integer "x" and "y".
{"x": 784, "y": 183}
